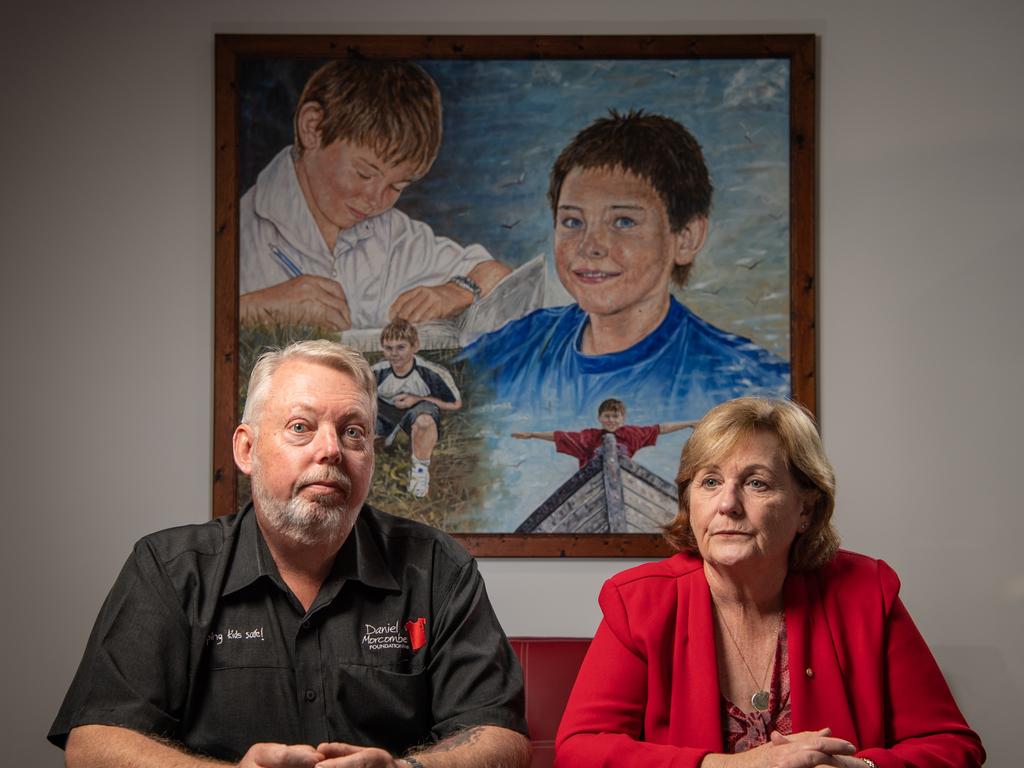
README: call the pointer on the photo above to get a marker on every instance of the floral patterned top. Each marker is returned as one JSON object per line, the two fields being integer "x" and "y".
{"x": 745, "y": 730}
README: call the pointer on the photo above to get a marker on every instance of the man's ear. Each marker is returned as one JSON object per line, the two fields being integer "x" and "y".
{"x": 689, "y": 240}
{"x": 242, "y": 444}
{"x": 308, "y": 125}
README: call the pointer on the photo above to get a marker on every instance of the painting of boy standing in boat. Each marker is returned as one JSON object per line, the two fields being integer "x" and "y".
{"x": 585, "y": 444}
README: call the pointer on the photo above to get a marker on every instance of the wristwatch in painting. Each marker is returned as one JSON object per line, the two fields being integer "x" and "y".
{"x": 468, "y": 283}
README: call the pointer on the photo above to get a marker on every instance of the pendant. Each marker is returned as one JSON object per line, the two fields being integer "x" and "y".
{"x": 759, "y": 701}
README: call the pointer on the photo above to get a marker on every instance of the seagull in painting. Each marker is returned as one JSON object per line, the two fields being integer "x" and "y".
{"x": 748, "y": 134}
{"x": 513, "y": 182}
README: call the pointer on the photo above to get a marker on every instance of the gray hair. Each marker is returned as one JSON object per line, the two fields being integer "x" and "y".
{"x": 321, "y": 351}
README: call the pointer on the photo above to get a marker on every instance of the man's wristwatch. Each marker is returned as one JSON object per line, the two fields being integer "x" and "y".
{"x": 470, "y": 285}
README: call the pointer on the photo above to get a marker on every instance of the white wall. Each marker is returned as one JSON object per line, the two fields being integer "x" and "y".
{"x": 107, "y": 198}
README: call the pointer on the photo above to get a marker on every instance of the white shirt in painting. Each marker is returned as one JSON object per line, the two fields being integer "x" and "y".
{"x": 376, "y": 261}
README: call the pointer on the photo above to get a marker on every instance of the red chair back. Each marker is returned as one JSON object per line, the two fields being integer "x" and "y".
{"x": 549, "y": 666}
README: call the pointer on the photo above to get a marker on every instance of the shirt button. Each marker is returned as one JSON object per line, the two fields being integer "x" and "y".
{"x": 310, "y": 694}
{"x": 305, "y": 624}
{"x": 809, "y": 672}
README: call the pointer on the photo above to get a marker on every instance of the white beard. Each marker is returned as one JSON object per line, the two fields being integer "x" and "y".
{"x": 304, "y": 521}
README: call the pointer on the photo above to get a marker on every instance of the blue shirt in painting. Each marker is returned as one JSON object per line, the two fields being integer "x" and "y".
{"x": 679, "y": 371}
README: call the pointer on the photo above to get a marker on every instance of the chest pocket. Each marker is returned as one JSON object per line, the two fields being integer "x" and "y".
{"x": 384, "y": 705}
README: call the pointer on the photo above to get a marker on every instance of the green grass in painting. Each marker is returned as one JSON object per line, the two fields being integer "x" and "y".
{"x": 455, "y": 483}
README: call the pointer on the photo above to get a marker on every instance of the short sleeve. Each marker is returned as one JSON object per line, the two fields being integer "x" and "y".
{"x": 123, "y": 678}
{"x": 575, "y": 444}
{"x": 439, "y": 382}
{"x": 474, "y": 673}
{"x": 642, "y": 437}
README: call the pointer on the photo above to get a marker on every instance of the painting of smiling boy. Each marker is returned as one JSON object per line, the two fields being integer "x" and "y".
{"x": 320, "y": 241}
{"x": 630, "y": 197}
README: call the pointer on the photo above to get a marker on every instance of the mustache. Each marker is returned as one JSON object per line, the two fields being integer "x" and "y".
{"x": 326, "y": 474}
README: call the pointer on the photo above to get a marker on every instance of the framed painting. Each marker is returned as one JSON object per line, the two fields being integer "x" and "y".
{"x": 555, "y": 252}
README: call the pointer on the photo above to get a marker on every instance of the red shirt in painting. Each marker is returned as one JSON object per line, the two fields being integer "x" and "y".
{"x": 584, "y": 444}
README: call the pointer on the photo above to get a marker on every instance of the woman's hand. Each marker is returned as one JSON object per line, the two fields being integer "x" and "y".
{"x": 808, "y": 749}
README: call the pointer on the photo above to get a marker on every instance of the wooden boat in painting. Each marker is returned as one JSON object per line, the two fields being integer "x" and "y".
{"x": 611, "y": 494}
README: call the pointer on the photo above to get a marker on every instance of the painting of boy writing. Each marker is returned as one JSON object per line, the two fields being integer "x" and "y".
{"x": 321, "y": 242}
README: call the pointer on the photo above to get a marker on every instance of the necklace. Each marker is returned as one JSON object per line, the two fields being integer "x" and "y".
{"x": 761, "y": 698}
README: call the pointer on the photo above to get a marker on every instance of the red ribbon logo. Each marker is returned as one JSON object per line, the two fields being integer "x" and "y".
{"x": 417, "y": 633}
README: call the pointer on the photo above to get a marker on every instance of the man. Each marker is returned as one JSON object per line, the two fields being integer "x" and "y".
{"x": 308, "y": 630}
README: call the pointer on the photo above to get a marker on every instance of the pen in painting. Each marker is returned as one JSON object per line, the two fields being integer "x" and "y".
{"x": 284, "y": 261}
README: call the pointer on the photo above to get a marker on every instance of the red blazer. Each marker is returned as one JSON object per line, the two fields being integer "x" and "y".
{"x": 647, "y": 693}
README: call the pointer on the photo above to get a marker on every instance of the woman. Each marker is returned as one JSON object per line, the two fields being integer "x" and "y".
{"x": 760, "y": 643}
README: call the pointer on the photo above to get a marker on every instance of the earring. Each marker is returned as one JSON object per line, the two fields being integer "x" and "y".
{"x": 803, "y": 527}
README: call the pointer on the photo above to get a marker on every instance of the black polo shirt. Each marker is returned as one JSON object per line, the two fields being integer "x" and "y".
{"x": 201, "y": 641}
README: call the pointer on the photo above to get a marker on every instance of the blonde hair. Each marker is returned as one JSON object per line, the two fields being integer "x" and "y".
{"x": 718, "y": 433}
{"x": 327, "y": 353}
{"x": 392, "y": 107}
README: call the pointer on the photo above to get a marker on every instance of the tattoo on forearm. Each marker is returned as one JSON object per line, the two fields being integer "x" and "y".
{"x": 456, "y": 740}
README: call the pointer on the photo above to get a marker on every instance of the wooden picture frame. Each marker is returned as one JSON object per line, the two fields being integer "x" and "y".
{"x": 786, "y": 62}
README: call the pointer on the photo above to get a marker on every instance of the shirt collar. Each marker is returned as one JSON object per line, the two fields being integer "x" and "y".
{"x": 657, "y": 342}
{"x": 251, "y": 558}
{"x": 359, "y": 559}
{"x": 363, "y": 230}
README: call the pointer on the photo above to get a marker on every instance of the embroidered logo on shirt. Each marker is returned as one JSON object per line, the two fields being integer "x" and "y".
{"x": 379, "y": 638}
{"x": 417, "y": 632}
